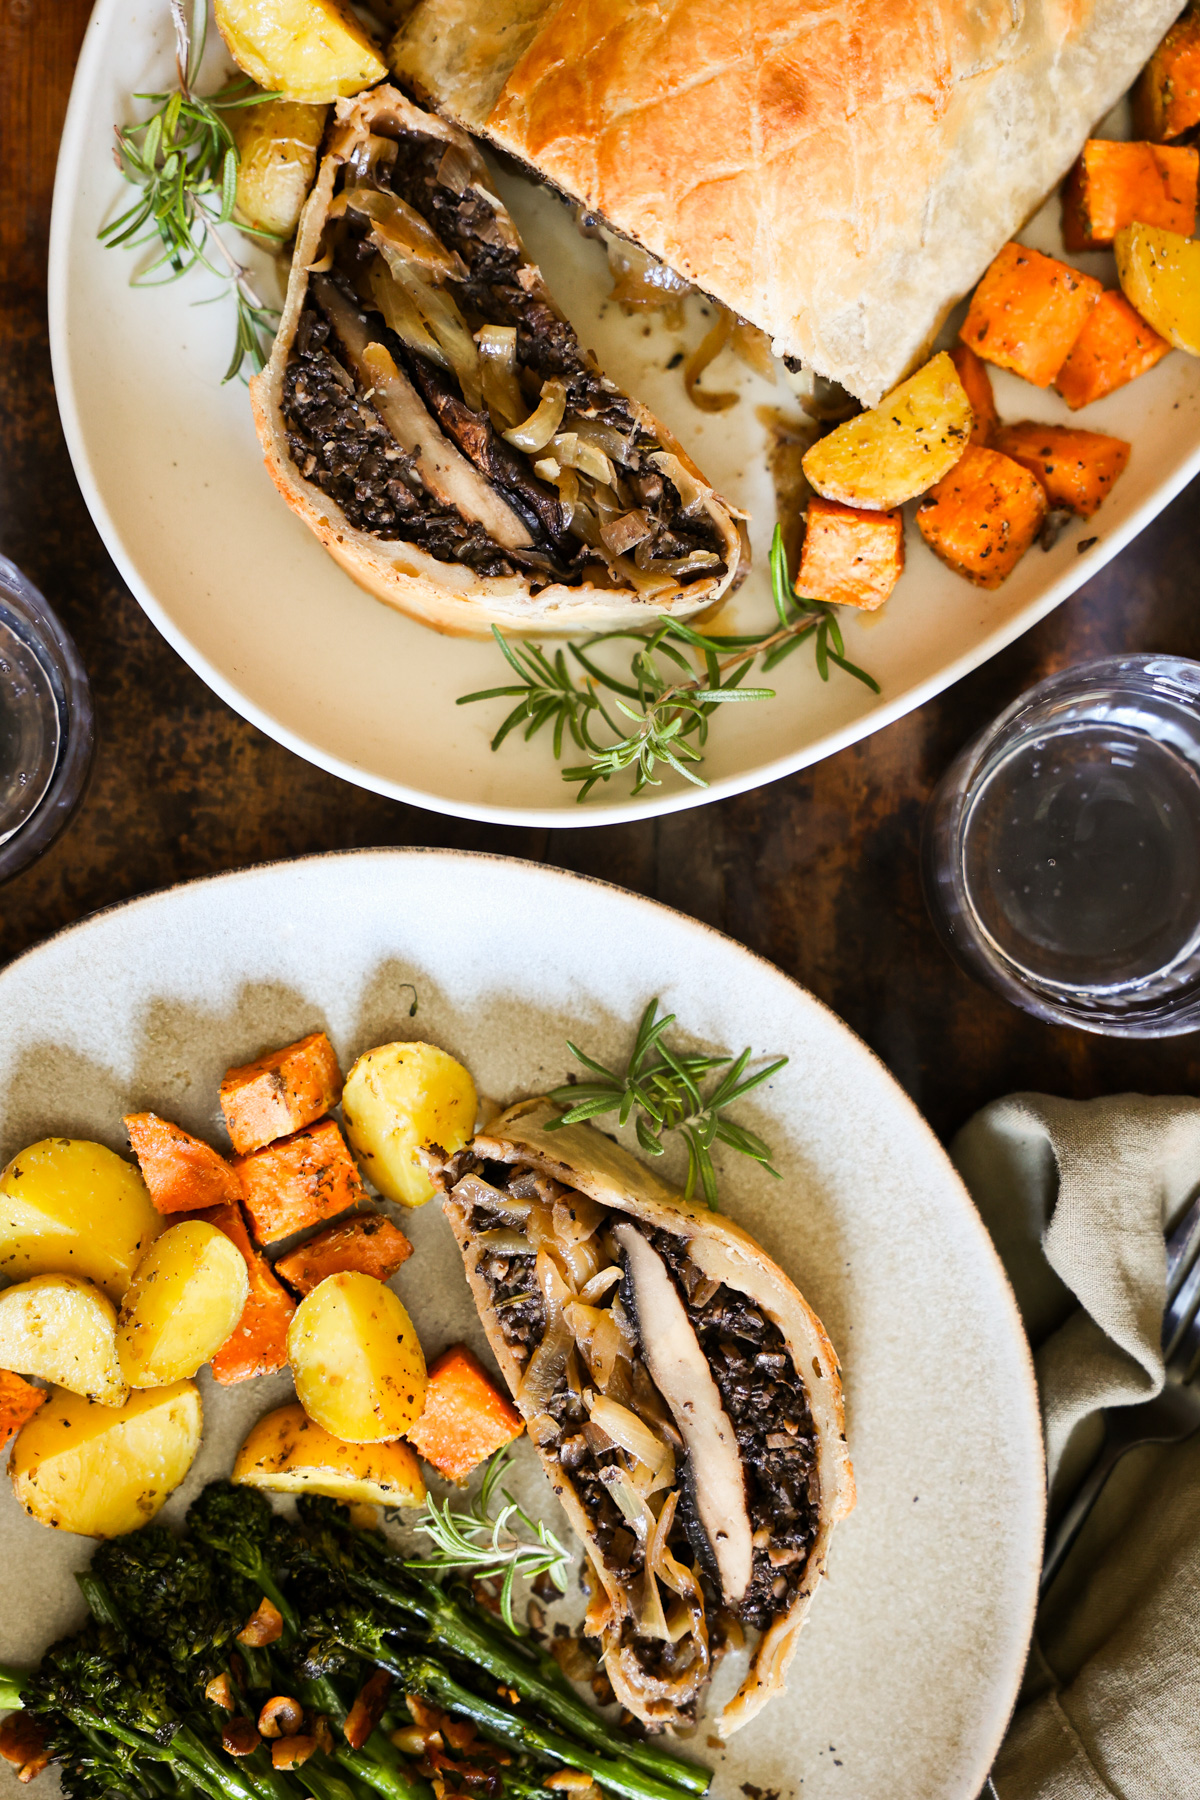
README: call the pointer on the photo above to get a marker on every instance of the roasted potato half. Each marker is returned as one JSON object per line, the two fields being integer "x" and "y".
{"x": 277, "y": 142}
{"x": 184, "y": 1300}
{"x": 310, "y": 50}
{"x": 397, "y": 1098}
{"x": 63, "y": 1330}
{"x": 289, "y": 1453}
{"x": 102, "y": 1470}
{"x": 901, "y": 447}
{"x": 1159, "y": 272}
{"x": 73, "y": 1208}
{"x": 356, "y": 1360}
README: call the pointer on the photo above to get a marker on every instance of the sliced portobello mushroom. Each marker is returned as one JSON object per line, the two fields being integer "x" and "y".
{"x": 683, "y": 1397}
{"x": 680, "y": 1371}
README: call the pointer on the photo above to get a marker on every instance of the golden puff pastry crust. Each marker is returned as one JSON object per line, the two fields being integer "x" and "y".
{"x": 839, "y": 174}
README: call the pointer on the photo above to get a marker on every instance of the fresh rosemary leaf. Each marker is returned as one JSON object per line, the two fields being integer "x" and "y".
{"x": 600, "y": 675}
{"x": 660, "y": 1089}
{"x": 185, "y": 161}
{"x": 823, "y": 650}
{"x": 487, "y": 1544}
{"x": 667, "y": 710}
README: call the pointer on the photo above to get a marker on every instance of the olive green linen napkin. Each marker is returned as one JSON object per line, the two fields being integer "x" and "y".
{"x": 1077, "y": 1195}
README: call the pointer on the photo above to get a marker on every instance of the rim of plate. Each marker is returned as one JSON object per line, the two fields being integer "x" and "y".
{"x": 566, "y": 878}
{"x": 572, "y": 814}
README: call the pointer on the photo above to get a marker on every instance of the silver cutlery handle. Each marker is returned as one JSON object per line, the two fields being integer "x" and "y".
{"x": 1069, "y": 1526}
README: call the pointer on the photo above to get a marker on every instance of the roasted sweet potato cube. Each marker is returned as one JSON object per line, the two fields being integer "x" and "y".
{"x": 972, "y": 372}
{"x": 851, "y": 556}
{"x": 257, "y": 1345}
{"x": 371, "y": 1244}
{"x": 1027, "y": 312}
{"x": 280, "y": 1093}
{"x": 19, "y": 1400}
{"x": 182, "y": 1173}
{"x": 1166, "y": 100}
{"x": 1115, "y": 346}
{"x": 1076, "y": 468}
{"x": 299, "y": 1181}
{"x": 982, "y": 517}
{"x": 465, "y": 1420}
{"x": 1112, "y": 184}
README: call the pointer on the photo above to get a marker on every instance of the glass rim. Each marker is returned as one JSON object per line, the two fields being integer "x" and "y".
{"x": 40, "y": 627}
{"x": 1159, "y": 668}
{"x": 942, "y": 863}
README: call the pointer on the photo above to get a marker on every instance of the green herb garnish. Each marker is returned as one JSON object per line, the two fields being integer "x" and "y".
{"x": 184, "y": 159}
{"x": 669, "y": 714}
{"x": 660, "y": 1089}
{"x": 487, "y": 1545}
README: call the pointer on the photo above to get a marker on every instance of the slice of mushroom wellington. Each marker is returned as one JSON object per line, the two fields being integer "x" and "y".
{"x": 430, "y": 413}
{"x": 684, "y": 1400}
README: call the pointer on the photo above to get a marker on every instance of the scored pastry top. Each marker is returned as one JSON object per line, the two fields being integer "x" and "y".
{"x": 839, "y": 175}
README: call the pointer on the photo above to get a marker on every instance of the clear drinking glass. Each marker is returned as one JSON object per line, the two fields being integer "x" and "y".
{"x": 1061, "y": 850}
{"x": 46, "y": 723}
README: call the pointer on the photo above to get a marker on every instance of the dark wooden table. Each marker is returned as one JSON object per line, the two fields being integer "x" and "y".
{"x": 818, "y": 873}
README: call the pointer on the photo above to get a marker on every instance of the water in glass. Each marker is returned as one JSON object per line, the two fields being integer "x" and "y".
{"x": 1062, "y": 850}
{"x": 29, "y": 730}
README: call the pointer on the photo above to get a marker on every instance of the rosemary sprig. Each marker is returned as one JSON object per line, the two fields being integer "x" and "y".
{"x": 660, "y": 1088}
{"x": 185, "y": 161}
{"x": 488, "y": 1545}
{"x": 668, "y": 703}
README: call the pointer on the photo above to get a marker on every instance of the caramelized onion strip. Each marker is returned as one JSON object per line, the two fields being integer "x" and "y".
{"x": 671, "y": 1572}
{"x": 633, "y": 1510}
{"x": 543, "y": 422}
{"x": 442, "y": 317}
{"x": 498, "y": 361}
{"x": 573, "y": 452}
{"x": 401, "y": 226}
{"x": 599, "y": 1285}
{"x": 575, "y": 1216}
{"x": 548, "y": 1363}
{"x": 598, "y": 1337}
{"x": 753, "y": 347}
{"x": 635, "y": 1437}
{"x": 454, "y": 171}
{"x": 648, "y": 1608}
{"x": 372, "y": 158}
{"x": 681, "y": 479}
{"x": 640, "y": 280}
{"x": 402, "y": 316}
{"x": 710, "y": 346}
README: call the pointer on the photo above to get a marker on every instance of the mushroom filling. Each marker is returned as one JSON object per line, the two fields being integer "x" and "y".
{"x": 434, "y": 393}
{"x": 766, "y": 1401}
{"x": 725, "y": 1429}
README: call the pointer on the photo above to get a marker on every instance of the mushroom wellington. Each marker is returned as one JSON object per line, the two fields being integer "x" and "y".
{"x": 683, "y": 1397}
{"x": 430, "y": 414}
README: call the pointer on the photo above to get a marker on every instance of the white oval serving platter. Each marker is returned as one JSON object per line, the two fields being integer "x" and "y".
{"x": 171, "y": 471}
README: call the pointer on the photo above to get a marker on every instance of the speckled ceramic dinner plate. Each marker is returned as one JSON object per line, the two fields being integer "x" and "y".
{"x": 910, "y": 1660}
{"x": 172, "y": 473}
